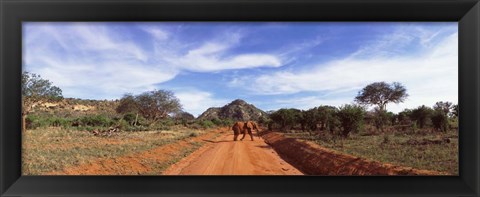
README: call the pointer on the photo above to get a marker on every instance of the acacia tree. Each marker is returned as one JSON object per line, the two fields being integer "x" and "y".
{"x": 381, "y": 93}
{"x": 158, "y": 104}
{"x": 35, "y": 91}
{"x": 128, "y": 105}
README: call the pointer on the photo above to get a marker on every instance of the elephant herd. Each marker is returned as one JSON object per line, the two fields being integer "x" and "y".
{"x": 242, "y": 128}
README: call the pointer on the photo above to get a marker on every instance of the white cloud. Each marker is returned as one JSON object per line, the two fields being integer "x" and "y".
{"x": 429, "y": 77}
{"x": 157, "y": 33}
{"x": 196, "y": 102}
{"x": 212, "y": 56}
{"x": 90, "y": 61}
{"x": 98, "y": 60}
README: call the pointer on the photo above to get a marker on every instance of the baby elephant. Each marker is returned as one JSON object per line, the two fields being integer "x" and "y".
{"x": 242, "y": 128}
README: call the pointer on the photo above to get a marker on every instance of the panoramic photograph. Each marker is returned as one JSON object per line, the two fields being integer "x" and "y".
{"x": 240, "y": 98}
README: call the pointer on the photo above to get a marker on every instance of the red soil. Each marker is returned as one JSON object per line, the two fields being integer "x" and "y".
{"x": 135, "y": 163}
{"x": 224, "y": 156}
{"x": 313, "y": 159}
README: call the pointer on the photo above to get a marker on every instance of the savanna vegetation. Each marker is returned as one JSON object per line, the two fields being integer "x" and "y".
{"x": 75, "y": 132}
{"x": 424, "y": 137}
{"x": 57, "y": 136}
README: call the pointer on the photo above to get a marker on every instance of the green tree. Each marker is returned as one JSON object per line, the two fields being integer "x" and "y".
{"x": 404, "y": 116}
{"x": 311, "y": 118}
{"x": 286, "y": 118}
{"x": 381, "y": 118}
{"x": 421, "y": 115}
{"x": 444, "y": 107}
{"x": 158, "y": 104}
{"x": 128, "y": 106}
{"x": 350, "y": 118}
{"x": 381, "y": 93}
{"x": 325, "y": 114}
{"x": 36, "y": 91}
{"x": 152, "y": 105}
{"x": 440, "y": 120}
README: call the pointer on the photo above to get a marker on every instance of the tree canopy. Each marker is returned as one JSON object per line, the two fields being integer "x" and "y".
{"x": 443, "y": 107}
{"x": 36, "y": 90}
{"x": 152, "y": 105}
{"x": 381, "y": 93}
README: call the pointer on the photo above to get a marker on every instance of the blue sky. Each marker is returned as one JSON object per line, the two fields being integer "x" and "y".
{"x": 271, "y": 65}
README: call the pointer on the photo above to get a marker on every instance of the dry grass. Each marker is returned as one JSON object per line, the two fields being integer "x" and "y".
{"x": 53, "y": 149}
{"x": 397, "y": 148}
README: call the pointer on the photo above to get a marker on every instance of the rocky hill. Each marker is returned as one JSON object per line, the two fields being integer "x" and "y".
{"x": 236, "y": 110}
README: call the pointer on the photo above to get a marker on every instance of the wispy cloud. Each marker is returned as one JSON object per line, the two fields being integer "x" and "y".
{"x": 288, "y": 68}
{"x": 212, "y": 55}
{"x": 90, "y": 60}
{"x": 105, "y": 60}
{"x": 429, "y": 76}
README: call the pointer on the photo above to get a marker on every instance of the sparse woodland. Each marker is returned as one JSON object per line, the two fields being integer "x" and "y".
{"x": 425, "y": 137}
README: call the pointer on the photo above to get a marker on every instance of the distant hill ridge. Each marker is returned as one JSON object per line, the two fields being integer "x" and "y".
{"x": 73, "y": 107}
{"x": 238, "y": 110}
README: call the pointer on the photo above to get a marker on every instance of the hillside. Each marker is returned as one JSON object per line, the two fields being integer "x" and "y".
{"x": 72, "y": 107}
{"x": 236, "y": 110}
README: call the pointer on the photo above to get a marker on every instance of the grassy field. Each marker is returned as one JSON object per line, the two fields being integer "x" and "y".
{"x": 53, "y": 149}
{"x": 413, "y": 149}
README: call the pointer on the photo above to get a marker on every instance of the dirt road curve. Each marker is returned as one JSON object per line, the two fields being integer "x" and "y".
{"x": 223, "y": 156}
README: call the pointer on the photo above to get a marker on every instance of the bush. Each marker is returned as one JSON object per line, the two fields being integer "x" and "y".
{"x": 440, "y": 121}
{"x": 130, "y": 118}
{"x": 381, "y": 119}
{"x": 207, "y": 124}
{"x": 34, "y": 121}
{"x": 286, "y": 118}
{"x": 351, "y": 118}
{"x": 453, "y": 123}
{"x": 95, "y": 121}
{"x": 421, "y": 116}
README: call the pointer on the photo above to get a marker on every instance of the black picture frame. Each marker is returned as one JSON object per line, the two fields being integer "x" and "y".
{"x": 13, "y": 12}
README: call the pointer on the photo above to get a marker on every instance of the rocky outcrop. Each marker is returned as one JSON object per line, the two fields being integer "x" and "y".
{"x": 238, "y": 110}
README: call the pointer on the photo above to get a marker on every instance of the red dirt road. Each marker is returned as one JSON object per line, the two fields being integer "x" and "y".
{"x": 223, "y": 156}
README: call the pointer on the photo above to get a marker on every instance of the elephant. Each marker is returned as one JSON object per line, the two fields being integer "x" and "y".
{"x": 238, "y": 128}
{"x": 248, "y": 127}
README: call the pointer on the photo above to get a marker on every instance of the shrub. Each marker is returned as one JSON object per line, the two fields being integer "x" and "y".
{"x": 207, "y": 124}
{"x": 440, "y": 121}
{"x": 381, "y": 119}
{"x": 350, "y": 118}
{"x": 34, "y": 121}
{"x": 217, "y": 121}
{"x": 421, "y": 116}
{"x": 130, "y": 118}
{"x": 286, "y": 118}
{"x": 95, "y": 121}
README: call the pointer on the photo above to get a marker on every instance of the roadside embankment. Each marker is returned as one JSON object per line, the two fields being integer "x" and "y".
{"x": 313, "y": 159}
